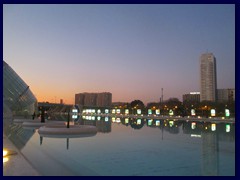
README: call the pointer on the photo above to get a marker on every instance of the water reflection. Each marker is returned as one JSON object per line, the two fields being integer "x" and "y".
{"x": 210, "y": 133}
{"x": 225, "y": 131}
{"x": 17, "y": 134}
{"x": 67, "y": 142}
{"x": 136, "y": 123}
{"x": 202, "y": 139}
{"x": 210, "y": 153}
{"x": 103, "y": 124}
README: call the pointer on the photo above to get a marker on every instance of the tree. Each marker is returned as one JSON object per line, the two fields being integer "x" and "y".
{"x": 137, "y": 103}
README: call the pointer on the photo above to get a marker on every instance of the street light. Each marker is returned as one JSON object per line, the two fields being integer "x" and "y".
{"x": 213, "y": 112}
{"x": 227, "y": 112}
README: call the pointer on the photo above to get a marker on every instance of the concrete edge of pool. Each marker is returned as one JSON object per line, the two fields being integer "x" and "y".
{"x": 16, "y": 164}
{"x": 63, "y": 131}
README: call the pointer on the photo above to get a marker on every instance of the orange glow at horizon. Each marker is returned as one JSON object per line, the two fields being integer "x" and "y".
{"x": 53, "y": 96}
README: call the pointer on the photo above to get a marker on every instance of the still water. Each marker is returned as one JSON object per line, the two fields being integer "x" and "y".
{"x": 133, "y": 147}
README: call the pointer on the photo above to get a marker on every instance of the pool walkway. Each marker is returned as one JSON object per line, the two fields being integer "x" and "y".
{"x": 16, "y": 164}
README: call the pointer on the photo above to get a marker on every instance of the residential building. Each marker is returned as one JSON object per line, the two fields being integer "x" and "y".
{"x": 191, "y": 97}
{"x": 103, "y": 99}
{"x": 225, "y": 95}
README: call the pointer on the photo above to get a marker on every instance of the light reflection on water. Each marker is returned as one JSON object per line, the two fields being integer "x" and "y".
{"x": 134, "y": 147}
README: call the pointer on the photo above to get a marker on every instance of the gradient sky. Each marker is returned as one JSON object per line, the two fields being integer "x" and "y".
{"x": 129, "y": 50}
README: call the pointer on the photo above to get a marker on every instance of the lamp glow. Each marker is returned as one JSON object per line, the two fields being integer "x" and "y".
{"x": 5, "y": 159}
{"x": 5, "y": 153}
{"x": 213, "y": 127}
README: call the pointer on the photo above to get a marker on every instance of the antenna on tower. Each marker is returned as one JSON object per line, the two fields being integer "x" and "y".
{"x": 162, "y": 96}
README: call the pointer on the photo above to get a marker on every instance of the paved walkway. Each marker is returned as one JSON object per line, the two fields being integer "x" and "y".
{"x": 17, "y": 164}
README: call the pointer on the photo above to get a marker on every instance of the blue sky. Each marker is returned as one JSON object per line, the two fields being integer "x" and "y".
{"x": 129, "y": 50}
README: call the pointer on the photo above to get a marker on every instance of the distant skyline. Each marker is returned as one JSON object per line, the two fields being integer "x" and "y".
{"x": 129, "y": 50}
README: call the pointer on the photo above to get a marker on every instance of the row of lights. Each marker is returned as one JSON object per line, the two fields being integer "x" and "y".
{"x": 213, "y": 127}
{"x": 150, "y": 112}
{"x": 150, "y": 122}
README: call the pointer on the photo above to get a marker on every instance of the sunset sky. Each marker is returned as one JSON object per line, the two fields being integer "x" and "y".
{"x": 129, "y": 50}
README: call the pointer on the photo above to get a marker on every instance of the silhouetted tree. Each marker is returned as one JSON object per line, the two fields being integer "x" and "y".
{"x": 171, "y": 102}
{"x": 135, "y": 125}
{"x": 137, "y": 103}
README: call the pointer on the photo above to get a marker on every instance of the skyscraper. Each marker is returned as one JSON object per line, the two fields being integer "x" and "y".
{"x": 208, "y": 74}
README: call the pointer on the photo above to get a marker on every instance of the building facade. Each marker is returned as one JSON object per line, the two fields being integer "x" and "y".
{"x": 18, "y": 99}
{"x": 208, "y": 77}
{"x": 103, "y": 99}
{"x": 191, "y": 97}
{"x": 226, "y": 95}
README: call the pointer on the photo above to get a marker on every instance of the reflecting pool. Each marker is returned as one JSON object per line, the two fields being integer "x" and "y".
{"x": 134, "y": 147}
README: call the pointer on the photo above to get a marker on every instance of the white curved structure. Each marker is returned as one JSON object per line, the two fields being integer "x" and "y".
{"x": 20, "y": 121}
{"x": 61, "y": 131}
{"x": 38, "y": 124}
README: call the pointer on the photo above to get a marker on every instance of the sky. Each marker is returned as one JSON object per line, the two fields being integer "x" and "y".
{"x": 130, "y": 50}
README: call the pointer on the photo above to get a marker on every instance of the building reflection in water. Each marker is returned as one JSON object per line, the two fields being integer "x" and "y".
{"x": 224, "y": 131}
{"x": 210, "y": 153}
{"x": 136, "y": 123}
{"x": 103, "y": 124}
{"x": 210, "y": 134}
{"x": 17, "y": 134}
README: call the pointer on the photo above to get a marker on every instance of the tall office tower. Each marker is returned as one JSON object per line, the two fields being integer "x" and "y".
{"x": 208, "y": 74}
